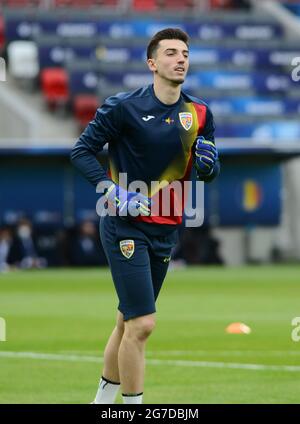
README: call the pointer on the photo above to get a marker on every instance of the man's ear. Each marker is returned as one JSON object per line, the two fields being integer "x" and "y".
{"x": 151, "y": 64}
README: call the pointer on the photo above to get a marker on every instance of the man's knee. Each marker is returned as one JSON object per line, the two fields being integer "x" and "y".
{"x": 140, "y": 327}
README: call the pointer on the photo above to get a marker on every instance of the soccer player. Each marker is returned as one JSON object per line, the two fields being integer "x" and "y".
{"x": 155, "y": 133}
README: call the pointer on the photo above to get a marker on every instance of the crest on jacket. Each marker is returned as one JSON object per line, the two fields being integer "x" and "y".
{"x": 186, "y": 120}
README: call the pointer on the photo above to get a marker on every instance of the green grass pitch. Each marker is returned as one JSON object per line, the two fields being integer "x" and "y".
{"x": 57, "y": 323}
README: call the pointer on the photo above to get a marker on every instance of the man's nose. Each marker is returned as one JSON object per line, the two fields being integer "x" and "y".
{"x": 182, "y": 58}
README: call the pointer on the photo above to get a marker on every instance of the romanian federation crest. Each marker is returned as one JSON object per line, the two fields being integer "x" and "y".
{"x": 127, "y": 248}
{"x": 186, "y": 120}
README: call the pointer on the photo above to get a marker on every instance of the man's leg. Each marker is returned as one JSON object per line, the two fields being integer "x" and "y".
{"x": 110, "y": 381}
{"x": 132, "y": 357}
{"x": 111, "y": 368}
{"x": 133, "y": 284}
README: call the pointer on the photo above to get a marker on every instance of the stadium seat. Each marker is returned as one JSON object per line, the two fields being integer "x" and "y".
{"x": 23, "y": 60}
{"x": 144, "y": 5}
{"x": 85, "y": 3}
{"x": 21, "y": 3}
{"x": 111, "y": 3}
{"x": 84, "y": 106}
{"x": 75, "y": 3}
{"x": 221, "y": 4}
{"x": 176, "y": 4}
{"x": 54, "y": 84}
{"x": 62, "y": 3}
{"x": 2, "y": 34}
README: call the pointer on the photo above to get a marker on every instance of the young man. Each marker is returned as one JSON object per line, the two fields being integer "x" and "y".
{"x": 154, "y": 133}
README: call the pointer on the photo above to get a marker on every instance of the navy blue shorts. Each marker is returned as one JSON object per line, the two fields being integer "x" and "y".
{"x": 138, "y": 263}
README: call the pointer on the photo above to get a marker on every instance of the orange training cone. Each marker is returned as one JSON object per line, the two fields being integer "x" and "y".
{"x": 238, "y": 328}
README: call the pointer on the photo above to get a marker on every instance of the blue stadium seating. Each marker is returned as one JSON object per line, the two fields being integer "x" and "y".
{"x": 245, "y": 78}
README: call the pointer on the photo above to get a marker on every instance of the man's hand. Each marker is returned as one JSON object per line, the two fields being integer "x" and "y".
{"x": 206, "y": 156}
{"x": 127, "y": 203}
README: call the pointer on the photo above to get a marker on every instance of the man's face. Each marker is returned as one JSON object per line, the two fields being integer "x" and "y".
{"x": 170, "y": 61}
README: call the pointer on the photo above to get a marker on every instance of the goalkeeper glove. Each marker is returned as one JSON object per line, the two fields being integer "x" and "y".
{"x": 127, "y": 203}
{"x": 206, "y": 156}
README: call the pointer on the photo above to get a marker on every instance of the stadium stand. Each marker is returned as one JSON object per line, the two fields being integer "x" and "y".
{"x": 244, "y": 78}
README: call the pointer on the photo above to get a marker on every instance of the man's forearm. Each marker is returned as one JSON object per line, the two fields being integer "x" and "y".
{"x": 86, "y": 162}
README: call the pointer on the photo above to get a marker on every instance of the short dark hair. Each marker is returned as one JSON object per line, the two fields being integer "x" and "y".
{"x": 166, "y": 34}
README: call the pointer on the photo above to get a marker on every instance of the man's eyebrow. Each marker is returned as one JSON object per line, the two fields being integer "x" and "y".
{"x": 175, "y": 50}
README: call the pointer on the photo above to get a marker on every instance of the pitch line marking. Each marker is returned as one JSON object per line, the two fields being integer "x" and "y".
{"x": 204, "y": 352}
{"x": 180, "y": 363}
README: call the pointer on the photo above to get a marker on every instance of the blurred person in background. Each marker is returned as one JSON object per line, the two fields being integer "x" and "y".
{"x": 85, "y": 248}
{"x": 196, "y": 246}
{"x": 200, "y": 247}
{"x": 23, "y": 253}
{"x": 5, "y": 245}
{"x": 53, "y": 244}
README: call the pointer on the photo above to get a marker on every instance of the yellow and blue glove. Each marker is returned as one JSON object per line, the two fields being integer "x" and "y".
{"x": 206, "y": 156}
{"x": 127, "y": 203}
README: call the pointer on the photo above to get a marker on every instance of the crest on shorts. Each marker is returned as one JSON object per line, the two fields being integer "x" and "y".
{"x": 186, "y": 120}
{"x": 127, "y": 248}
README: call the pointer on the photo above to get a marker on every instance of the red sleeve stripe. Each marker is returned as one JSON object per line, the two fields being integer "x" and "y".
{"x": 201, "y": 115}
